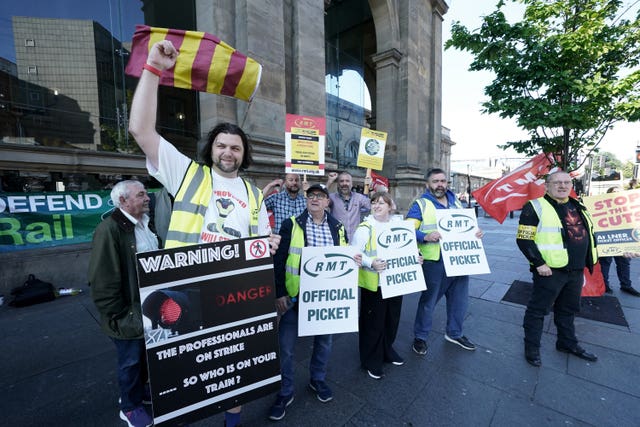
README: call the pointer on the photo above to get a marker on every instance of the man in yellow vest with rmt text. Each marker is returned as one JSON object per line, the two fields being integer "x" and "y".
{"x": 556, "y": 235}
{"x": 313, "y": 227}
{"x": 456, "y": 288}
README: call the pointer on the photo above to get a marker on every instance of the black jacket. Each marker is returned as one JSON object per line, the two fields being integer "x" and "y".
{"x": 280, "y": 258}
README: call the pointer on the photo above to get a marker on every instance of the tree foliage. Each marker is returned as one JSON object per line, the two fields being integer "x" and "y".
{"x": 566, "y": 72}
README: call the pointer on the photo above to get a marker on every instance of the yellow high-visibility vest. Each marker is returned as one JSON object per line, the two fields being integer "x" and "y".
{"x": 292, "y": 266}
{"x": 368, "y": 278}
{"x": 191, "y": 204}
{"x": 430, "y": 250}
{"x": 549, "y": 234}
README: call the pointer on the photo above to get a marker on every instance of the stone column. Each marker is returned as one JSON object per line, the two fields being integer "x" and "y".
{"x": 307, "y": 74}
{"x": 255, "y": 28}
{"x": 387, "y": 65}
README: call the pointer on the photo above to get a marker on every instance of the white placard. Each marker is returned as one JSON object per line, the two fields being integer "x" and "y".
{"x": 396, "y": 243}
{"x": 462, "y": 252}
{"x": 328, "y": 297}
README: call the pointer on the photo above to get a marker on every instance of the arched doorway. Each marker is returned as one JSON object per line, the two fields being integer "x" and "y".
{"x": 350, "y": 41}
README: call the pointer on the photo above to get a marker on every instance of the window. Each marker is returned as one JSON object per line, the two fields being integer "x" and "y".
{"x": 32, "y": 69}
{"x": 30, "y": 43}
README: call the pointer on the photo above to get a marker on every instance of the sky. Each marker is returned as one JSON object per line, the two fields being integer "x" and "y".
{"x": 477, "y": 135}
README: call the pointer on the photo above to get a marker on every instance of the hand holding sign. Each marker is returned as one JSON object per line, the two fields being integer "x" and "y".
{"x": 461, "y": 248}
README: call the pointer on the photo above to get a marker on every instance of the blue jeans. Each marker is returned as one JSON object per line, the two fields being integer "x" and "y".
{"x": 456, "y": 290}
{"x": 132, "y": 372}
{"x": 288, "y": 332}
{"x": 623, "y": 269}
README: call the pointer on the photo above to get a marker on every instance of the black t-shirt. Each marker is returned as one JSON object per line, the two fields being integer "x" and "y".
{"x": 575, "y": 234}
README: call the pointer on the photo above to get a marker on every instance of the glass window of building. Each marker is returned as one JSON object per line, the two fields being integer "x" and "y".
{"x": 63, "y": 90}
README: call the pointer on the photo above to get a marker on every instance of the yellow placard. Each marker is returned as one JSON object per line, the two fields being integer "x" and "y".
{"x": 371, "y": 150}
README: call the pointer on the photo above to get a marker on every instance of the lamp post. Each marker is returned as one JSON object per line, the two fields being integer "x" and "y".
{"x": 468, "y": 186}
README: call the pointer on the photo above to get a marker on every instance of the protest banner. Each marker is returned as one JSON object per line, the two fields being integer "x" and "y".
{"x": 210, "y": 327}
{"x": 462, "y": 252}
{"x": 616, "y": 221}
{"x": 371, "y": 149}
{"x": 40, "y": 220}
{"x": 396, "y": 243}
{"x": 328, "y": 298}
{"x": 304, "y": 143}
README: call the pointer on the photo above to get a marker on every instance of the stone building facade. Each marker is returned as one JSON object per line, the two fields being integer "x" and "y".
{"x": 401, "y": 66}
{"x": 395, "y": 47}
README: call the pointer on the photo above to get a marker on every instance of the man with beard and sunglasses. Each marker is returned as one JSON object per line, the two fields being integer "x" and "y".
{"x": 455, "y": 289}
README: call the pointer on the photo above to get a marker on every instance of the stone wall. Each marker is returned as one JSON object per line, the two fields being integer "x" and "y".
{"x": 63, "y": 266}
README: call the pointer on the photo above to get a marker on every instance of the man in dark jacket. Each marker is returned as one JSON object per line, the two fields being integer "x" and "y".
{"x": 114, "y": 289}
{"x": 555, "y": 234}
{"x": 313, "y": 227}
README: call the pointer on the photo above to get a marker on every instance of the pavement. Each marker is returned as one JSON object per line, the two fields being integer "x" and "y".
{"x": 58, "y": 369}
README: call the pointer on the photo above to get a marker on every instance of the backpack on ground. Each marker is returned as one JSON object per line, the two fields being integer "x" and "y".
{"x": 33, "y": 291}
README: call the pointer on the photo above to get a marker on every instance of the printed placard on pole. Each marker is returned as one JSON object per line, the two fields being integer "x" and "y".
{"x": 396, "y": 243}
{"x": 462, "y": 252}
{"x": 328, "y": 297}
{"x": 209, "y": 326}
{"x": 371, "y": 149}
{"x": 304, "y": 144}
{"x": 616, "y": 221}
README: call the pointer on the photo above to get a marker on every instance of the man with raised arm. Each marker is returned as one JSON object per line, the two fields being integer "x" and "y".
{"x": 212, "y": 203}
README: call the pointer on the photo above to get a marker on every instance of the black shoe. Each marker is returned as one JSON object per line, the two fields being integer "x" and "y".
{"x": 394, "y": 358}
{"x": 323, "y": 392}
{"x": 419, "y": 347}
{"x": 278, "y": 410}
{"x": 533, "y": 357}
{"x": 630, "y": 291}
{"x": 376, "y": 374}
{"x": 578, "y": 352}
{"x": 463, "y": 342}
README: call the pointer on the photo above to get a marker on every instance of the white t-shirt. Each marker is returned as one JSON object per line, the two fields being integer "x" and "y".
{"x": 361, "y": 236}
{"x": 227, "y": 216}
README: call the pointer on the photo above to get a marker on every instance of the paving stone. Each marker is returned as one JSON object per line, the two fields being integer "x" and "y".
{"x": 587, "y": 401}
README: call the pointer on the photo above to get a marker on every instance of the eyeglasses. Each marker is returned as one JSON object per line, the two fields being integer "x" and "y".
{"x": 561, "y": 183}
{"x": 318, "y": 196}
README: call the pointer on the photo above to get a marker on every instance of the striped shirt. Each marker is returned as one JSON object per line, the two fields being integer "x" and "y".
{"x": 283, "y": 207}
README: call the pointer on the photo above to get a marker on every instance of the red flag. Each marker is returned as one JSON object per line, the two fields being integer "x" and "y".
{"x": 593, "y": 285}
{"x": 377, "y": 180}
{"x": 512, "y": 191}
{"x": 205, "y": 63}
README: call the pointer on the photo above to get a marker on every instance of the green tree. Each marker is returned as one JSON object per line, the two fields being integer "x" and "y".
{"x": 627, "y": 169}
{"x": 566, "y": 72}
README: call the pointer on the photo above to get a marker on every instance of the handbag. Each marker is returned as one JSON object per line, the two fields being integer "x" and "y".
{"x": 33, "y": 291}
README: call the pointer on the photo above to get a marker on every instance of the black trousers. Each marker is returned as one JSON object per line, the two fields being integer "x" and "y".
{"x": 560, "y": 291}
{"x": 378, "y": 326}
